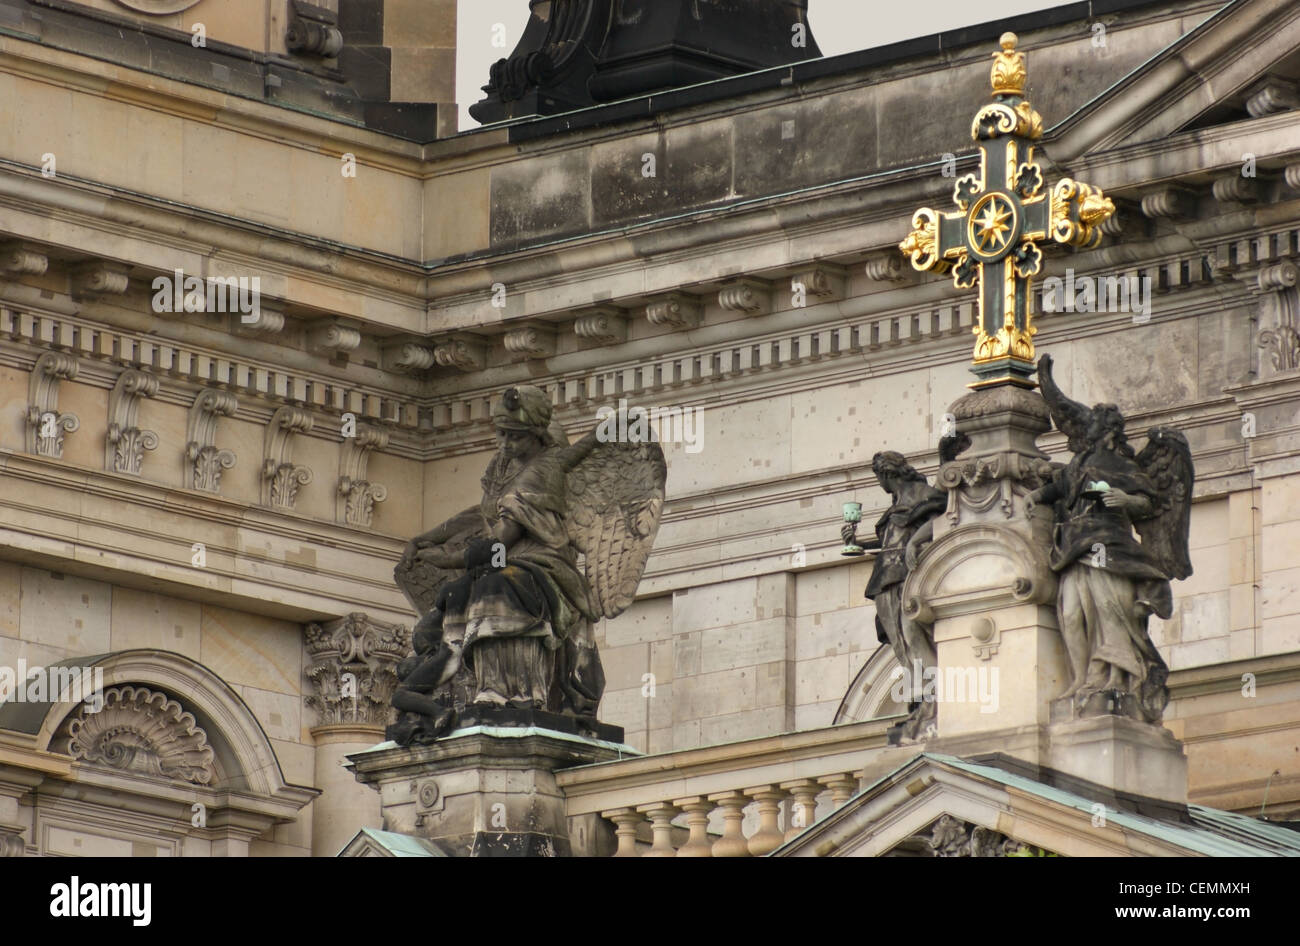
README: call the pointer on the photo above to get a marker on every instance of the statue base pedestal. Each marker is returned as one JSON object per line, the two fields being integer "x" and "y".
{"x": 1129, "y": 756}
{"x": 1124, "y": 761}
{"x": 488, "y": 791}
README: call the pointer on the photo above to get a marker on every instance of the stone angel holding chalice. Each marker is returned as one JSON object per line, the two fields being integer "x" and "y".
{"x": 1111, "y": 581}
{"x": 509, "y": 590}
{"x": 902, "y": 533}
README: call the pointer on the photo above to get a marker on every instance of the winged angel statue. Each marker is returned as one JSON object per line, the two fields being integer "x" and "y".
{"x": 1110, "y": 582}
{"x": 507, "y": 613}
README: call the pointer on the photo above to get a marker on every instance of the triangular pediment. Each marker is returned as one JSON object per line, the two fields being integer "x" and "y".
{"x": 1238, "y": 64}
{"x": 941, "y": 806}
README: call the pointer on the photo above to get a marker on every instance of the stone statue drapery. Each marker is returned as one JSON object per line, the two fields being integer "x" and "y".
{"x": 1110, "y": 582}
{"x": 507, "y": 613}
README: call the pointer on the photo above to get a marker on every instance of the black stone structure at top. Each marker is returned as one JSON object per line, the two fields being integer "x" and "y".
{"x": 578, "y": 53}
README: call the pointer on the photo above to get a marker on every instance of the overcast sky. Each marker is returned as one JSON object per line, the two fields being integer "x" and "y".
{"x": 840, "y": 26}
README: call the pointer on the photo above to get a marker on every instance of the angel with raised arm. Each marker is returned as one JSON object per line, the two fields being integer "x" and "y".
{"x": 1112, "y": 581}
{"x": 507, "y": 608}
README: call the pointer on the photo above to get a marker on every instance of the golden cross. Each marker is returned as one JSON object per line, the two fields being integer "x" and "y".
{"x": 992, "y": 241}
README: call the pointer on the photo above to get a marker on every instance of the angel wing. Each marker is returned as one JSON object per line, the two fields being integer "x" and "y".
{"x": 420, "y": 580}
{"x": 1070, "y": 417}
{"x": 616, "y": 495}
{"x": 1167, "y": 460}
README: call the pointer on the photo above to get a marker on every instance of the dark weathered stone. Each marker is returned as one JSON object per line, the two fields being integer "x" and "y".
{"x": 485, "y": 715}
{"x": 1110, "y": 582}
{"x": 577, "y": 53}
{"x": 545, "y": 197}
{"x": 505, "y": 633}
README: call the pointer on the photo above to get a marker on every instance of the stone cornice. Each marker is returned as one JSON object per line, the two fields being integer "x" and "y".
{"x": 283, "y": 565}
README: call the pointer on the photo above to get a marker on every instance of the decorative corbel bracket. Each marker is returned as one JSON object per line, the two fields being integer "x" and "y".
{"x": 333, "y": 338}
{"x": 1270, "y": 95}
{"x": 821, "y": 283}
{"x": 312, "y": 31}
{"x": 267, "y": 320}
{"x": 281, "y": 477}
{"x": 604, "y": 325}
{"x": 1235, "y": 188}
{"x": 45, "y": 425}
{"x": 1279, "y": 308}
{"x": 460, "y": 354}
{"x": 889, "y": 267}
{"x": 676, "y": 309}
{"x": 125, "y": 443}
{"x": 746, "y": 296}
{"x": 407, "y": 357}
{"x": 99, "y": 278}
{"x": 356, "y": 496}
{"x": 19, "y": 259}
{"x": 204, "y": 461}
{"x": 531, "y": 341}
{"x": 1169, "y": 202}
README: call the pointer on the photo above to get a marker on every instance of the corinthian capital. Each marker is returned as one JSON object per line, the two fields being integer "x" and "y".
{"x": 353, "y": 668}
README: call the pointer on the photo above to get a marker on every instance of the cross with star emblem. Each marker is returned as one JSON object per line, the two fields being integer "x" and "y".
{"x": 992, "y": 240}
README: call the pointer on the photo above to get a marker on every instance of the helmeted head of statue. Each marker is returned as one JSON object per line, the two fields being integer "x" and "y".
{"x": 522, "y": 416}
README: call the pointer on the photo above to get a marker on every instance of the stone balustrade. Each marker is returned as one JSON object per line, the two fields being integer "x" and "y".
{"x": 741, "y": 799}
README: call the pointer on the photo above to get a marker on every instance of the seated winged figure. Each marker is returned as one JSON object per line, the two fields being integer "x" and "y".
{"x": 509, "y": 590}
{"x": 1111, "y": 582}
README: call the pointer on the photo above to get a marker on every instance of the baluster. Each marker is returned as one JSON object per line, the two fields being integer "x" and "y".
{"x": 697, "y": 810}
{"x": 803, "y": 812}
{"x": 661, "y": 816}
{"x": 625, "y": 822}
{"x": 768, "y": 837}
{"x": 732, "y": 843}
{"x": 843, "y": 786}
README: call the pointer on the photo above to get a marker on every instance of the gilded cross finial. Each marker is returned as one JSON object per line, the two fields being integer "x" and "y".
{"x": 1009, "y": 70}
{"x": 992, "y": 241}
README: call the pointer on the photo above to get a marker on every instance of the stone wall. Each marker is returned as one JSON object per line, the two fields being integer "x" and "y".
{"x": 51, "y": 616}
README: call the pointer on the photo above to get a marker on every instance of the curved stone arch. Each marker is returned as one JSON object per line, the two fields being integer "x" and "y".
{"x": 977, "y": 566}
{"x": 245, "y": 758}
{"x": 868, "y": 696}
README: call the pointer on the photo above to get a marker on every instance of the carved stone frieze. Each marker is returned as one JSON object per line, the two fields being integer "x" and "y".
{"x": 45, "y": 424}
{"x": 353, "y": 668}
{"x": 950, "y": 837}
{"x": 125, "y": 442}
{"x": 141, "y": 731}
{"x": 204, "y": 461}
{"x": 991, "y": 480}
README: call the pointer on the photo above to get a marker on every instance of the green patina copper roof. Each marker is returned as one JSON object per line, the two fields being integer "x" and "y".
{"x": 1213, "y": 832}
{"x": 398, "y": 845}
